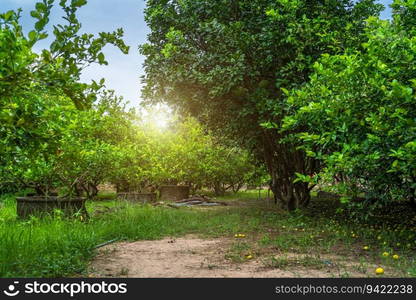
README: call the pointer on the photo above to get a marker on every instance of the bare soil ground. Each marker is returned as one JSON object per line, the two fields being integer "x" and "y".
{"x": 193, "y": 257}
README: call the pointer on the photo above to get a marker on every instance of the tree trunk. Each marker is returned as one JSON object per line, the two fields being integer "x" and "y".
{"x": 218, "y": 189}
{"x": 283, "y": 162}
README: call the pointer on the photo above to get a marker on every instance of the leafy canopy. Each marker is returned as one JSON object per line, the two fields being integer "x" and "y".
{"x": 357, "y": 114}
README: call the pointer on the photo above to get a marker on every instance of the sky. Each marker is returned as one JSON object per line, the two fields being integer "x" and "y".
{"x": 123, "y": 71}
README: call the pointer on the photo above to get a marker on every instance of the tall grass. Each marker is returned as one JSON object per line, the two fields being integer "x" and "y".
{"x": 55, "y": 246}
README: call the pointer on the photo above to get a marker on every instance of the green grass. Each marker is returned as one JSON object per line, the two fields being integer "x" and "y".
{"x": 238, "y": 251}
{"x": 54, "y": 247}
{"x": 106, "y": 196}
{"x": 284, "y": 262}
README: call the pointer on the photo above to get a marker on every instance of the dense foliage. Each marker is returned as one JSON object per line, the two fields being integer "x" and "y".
{"x": 188, "y": 154}
{"x": 358, "y": 112}
{"x": 293, "y": 93}
{"x": 227, "y": 63}
{"x": 315, "y": 92}
{"x": 41, "y": 92}
{"x": 59, "y": 134}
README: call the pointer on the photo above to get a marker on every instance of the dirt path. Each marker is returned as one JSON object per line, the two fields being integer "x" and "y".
{"x": 189, "y": 257}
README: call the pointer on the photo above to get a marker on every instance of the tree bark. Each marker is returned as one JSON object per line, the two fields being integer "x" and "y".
{"x": 283, "y": 162}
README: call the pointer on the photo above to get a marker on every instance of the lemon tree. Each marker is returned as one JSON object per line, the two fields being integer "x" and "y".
{"x": 40, "y": 91}
{"x": 357, "y": 113}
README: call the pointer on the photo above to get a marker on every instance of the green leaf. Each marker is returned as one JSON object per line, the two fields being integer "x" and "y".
{"x": 33, "y": 35}
{"x": 101, "y": 58}
{"x": 8, "y": 15}
{"x": 285, "y": 91}
{"x": 40, "y": 25}
{"x": 78, "y": 3}
{"x": 41, "y": 7}
{"x": 35, "y": 14}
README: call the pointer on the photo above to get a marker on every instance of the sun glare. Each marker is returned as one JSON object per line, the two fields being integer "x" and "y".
{"x": 159, "y": 118}
{"x": 161, "y": 121}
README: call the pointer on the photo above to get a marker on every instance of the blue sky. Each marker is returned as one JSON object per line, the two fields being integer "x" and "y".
{"x": 124, "y": 71}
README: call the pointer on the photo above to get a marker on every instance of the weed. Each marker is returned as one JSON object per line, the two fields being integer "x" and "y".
{"x": 56, "y": 247}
